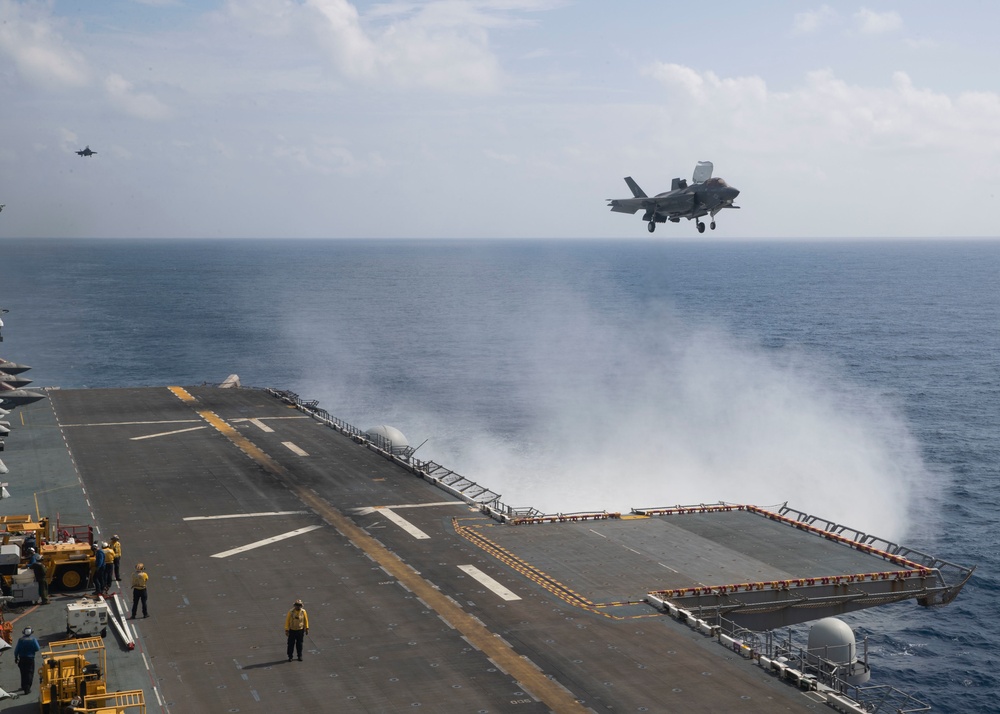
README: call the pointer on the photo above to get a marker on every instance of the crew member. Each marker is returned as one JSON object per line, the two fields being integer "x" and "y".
{"x": 116, "y": 546}
{"x": 139, "y": 580}
{"x": 43, "y": 587}
{"x": 296, "y": 628}
{"x": 24, "y": 656}
{"x": 98, "y": 569}
{"x": 109, "y": 565}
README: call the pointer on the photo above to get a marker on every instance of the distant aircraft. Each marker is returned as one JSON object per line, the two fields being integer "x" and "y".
{"x": 2, "y": 206}
{"x": 86, "y": 152}
{"x": 706, "y": 196}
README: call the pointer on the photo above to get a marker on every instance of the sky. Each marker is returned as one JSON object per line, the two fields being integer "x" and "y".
{"x": 495, "y": 118}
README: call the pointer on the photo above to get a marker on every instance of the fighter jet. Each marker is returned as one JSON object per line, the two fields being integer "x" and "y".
{"x": 12, "y": 367}
{"x": 15, "y": 380}
{"x": 18, "y": 397}
{"x": 705, "y": 196}
{"x": 86, "y": 152}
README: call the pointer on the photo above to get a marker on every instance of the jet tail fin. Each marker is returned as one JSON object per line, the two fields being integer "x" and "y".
{"x": 636, "y": 191}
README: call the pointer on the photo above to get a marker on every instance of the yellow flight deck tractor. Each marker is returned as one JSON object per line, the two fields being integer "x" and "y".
{"x": 68, "y": 559}
{"x": 71, "y": 669}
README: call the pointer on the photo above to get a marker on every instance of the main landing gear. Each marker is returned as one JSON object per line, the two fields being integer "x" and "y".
{"x": 651, "y": 226}
{"x": 701, "y": 226}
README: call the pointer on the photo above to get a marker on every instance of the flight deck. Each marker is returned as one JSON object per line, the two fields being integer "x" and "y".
{"x": 421, "y": 596}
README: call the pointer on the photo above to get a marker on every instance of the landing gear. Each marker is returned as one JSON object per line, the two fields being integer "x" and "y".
{"x": 651, "y": 226}
{"x": 701, "y": 227}
{"x": 712, "y": 225}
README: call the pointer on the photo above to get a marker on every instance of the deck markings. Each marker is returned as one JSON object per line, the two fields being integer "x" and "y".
{"x": 530, "y": 677}
{"x": 261, "y": 425}
{"x": 366, "y": 510}
{"x": 244, "y": 515}
{"x": 131, "y": 423}
{"x": 266, "y": 541}
{"x": 166, "y": 433}
{"x": 183, "y": 394}
{"x": 489, "y": 582}
{"x": 426, "y": 505}
{"x": 403, "y": 523}
{"x": 293, "y": 448}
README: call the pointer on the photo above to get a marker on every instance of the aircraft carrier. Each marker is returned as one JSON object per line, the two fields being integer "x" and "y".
{"x": 424, "y": 590}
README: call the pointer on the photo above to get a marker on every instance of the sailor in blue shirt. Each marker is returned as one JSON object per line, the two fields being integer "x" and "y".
{"x": 24, "y": 656}
{"x": 99, "y": 569}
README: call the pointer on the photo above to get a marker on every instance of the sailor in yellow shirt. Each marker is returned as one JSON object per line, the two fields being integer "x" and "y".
{"x": 139, "y": 580}
{"x": 296, "y": 628}
{"x": 109, "y": 565}
{"x": 116, "y": 546}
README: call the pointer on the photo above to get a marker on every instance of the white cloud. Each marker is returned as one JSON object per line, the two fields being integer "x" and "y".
{"x": 141, "y": 105}
{"x": 827, "y": 109}
{"x": 705, "y": 87}
{"x": 812, "y": 20}
{"x": 877, "y": 23}
{"x": 440, "y": 45}
{"x": 29, "y": 36}
{"x": 352, "y": 49}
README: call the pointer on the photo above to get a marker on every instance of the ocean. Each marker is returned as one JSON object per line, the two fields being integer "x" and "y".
{"x": 854, "y": 380}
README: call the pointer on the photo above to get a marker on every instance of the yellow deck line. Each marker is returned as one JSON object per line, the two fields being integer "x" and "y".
{"x": 492, "y": 645}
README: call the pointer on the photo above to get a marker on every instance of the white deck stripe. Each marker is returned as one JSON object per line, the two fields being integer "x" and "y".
{"x": 489, "y": 582}
{"x": 294, "y": 449}
{"x": 261, "y": 425}
{"x": 244, "y": 515}
{"x": 166, "y": 433}
{"x": 425, "y": 505}
{"x": 403, "y": 523}
{"x": 266, "y": 541}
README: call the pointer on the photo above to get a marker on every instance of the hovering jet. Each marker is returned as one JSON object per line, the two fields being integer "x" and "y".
{"x": 86, "y": 152}
{"x": 705, "y": 196}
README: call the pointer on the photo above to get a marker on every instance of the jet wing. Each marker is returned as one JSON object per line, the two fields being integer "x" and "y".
{"x": 628, "y": 205}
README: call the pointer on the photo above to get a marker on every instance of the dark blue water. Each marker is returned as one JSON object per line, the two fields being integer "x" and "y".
{"x": 856, "y": 380}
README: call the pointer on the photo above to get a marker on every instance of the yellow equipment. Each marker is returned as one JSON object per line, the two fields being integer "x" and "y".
{"x": 128, "y": 702}
{"x": 68, "y": 565}
{"x": 71, "y": 668}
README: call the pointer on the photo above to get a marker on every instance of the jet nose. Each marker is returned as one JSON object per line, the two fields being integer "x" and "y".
{"x": 732, "y": 193}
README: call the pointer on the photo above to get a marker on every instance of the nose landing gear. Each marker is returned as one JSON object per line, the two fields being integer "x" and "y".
{"x": 701, "y": 227}
{"x": 651, "y": 226}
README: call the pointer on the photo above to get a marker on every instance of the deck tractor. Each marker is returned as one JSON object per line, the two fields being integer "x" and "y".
{"x": 64, "y": 551}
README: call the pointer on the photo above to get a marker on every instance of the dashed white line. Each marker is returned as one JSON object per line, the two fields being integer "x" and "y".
{"x": 294, "y": 449}
{"x": 489, "y": 582}
{"x": 261, "y": 425}
{"x": 403, "y": 523}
